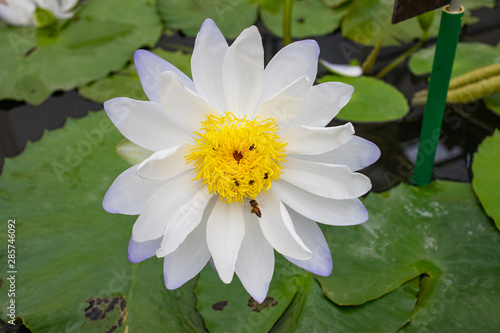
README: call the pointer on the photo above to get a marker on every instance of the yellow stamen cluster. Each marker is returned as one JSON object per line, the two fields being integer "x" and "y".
{"x": 237, "y": 158}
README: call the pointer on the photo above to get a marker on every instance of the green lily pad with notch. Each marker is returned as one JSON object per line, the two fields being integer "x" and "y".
{"x": 295, "y": 303}
{"x": 469, "y": 56}
{"x": 373, "y": 100}
{"x": 71, "y": 255}
{"x": 100, "y": 39}
{"x": 125, "y": 83}
{"x": 438, "y": 232}
{"x": 309, "y": 18}
{"x": 486, "y": 179}
{"x": 232, "y": 17}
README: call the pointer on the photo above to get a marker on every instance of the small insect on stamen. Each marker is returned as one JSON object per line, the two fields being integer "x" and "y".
{"x": 251, "y": 182}
{"x": 255, "y": 208}
{"x": 236, "y": 183}
{"x": 266, "y": 176}
{"x": 252, "y": 147}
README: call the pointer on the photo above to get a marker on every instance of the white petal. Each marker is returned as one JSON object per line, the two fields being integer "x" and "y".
{"x": 345, "y": 70}
{"x": 315, "y": 140}
{"x": 129, "y": 193}
{"x": 18, "y": 12}
{"x": 146, "y": 124}
{"x": 181, "y": 103}
{"x": 356, "y": 153}
{"x": 166, "y": 164}
{"x": 243, "y": 72}
{"x": 320, "y": 209}
{"x": 206, "y": 64}
{"x": 278, "y": 227}
{"x": 140, "y": 251}
{"x": 323, "y": 103}
{"x": 131, "y": 153}
{"x": 225, "y": 231}
{"x": 255, "y": 264}
{"x": 162, "y": 206}
{"x": 188, "y": 260}
{"x": 326, "y": 180}
{"x": 290, "y": 63}
{"x": 150, "y": 67}
{"x": 184, "y": 221}
{"x": 287, "y": 103}
{"x": 310, "y": 233}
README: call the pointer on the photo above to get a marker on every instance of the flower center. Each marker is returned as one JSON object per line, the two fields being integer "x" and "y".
{"x": 237, "y": 158}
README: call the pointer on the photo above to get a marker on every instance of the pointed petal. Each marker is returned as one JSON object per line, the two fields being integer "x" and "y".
{"x": 278, "y": 228}
{"x": 182, "y": 104}
{"x": 316, "y": 140}
{"x": 345, "y": 70}
{"x": 206, "y": 65}
{"x": 323, "y": 103}
{"x": 184, "y": 221}
{"x": 146, "y": 124}
{"x": 129, "y": 193}
{"x": 287, "y": 103}
{"x": 321, "y": 209}
{"x": 225, "y": 231}
{"x": 140, "y": 251}
{"x": 150, "y": 67}
{"x": 289, "y": 64}
{"x": 188, "y": 260}
{"x": 356, "y": 153}
{"x": 165, "y": 164}
{"x": 327, "y": 180}
{"x": 255, "y": 264}
{"x": 162, "y": 206}
{"x": 243, "y": 72}
{"x": 321, "y": 262}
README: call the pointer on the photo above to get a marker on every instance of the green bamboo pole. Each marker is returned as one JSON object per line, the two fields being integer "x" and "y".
{"x": 446, "y": 46}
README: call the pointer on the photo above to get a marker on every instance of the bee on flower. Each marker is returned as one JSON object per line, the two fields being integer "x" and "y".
{"x": 237, "y": 162}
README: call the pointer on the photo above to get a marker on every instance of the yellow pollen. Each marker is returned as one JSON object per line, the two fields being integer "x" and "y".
{"x": 237, "y": 158}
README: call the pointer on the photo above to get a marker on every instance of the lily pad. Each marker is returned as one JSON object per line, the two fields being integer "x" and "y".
{"x": 438, "y": 232}
{"x": 232, "y": 17}
{"x": 309, "y": 18}
{"x": 373, "y": 100}
{"x": 369, "y": 21}
{"x": 295, "y": 303}
{"x": 126, "y": 82}
{"x": 71, "y": 255}
{"x": 486, "y": 180}
{"x": 99, "y": 40}
{"x": 469, "y": 56}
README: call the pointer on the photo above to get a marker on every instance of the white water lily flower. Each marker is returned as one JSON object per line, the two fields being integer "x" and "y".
{"x": 237, "y": 132}
{"x": 20, "y": 12}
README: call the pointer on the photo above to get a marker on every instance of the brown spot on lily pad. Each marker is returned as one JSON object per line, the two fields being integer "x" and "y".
{"x": 111, "y": 312}
{"x": 219, "y": 306}
{"x": 269, "y": 302}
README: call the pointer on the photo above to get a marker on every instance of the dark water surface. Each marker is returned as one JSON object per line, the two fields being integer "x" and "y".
{"x": 464, "y": 127}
